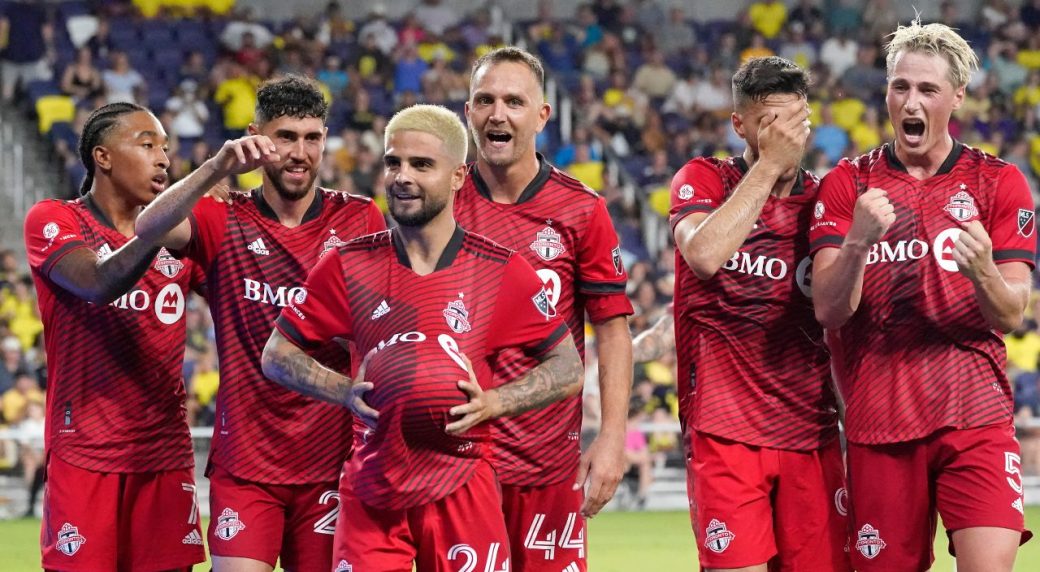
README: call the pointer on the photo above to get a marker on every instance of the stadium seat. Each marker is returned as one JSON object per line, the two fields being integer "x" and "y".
{"x": 54, "y": 108}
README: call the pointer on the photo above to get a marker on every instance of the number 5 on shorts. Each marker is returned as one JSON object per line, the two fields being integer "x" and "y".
{"x": 1012, "y": 465}
{"x": 535, "y": 541}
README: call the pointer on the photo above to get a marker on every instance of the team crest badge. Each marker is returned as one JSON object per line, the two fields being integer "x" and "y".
{"x": 718, "y": 537}
{"x": 228, "y": 525}
{"x": 333, "y": 242}
{"x": 686, "y": 192}
{"x": 344, "y": 566}
{"x": 819, "y": 210}
{"x": 50, "y": 230}
{"x": 1026, "y": 222}
{"x": 542, "y": 303}
{"x": 167, "y": 264}
{"x": 547, "y": 244}
{"x": 962, "y": 206}
{"x": 869, "y": 541}
{"x": 615, "y": 256}
{"x": 457, "y": 316}
{"x": 69, "y": 540}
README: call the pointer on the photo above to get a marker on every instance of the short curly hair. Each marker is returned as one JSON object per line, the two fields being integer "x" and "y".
{"x": 290, "y": 96}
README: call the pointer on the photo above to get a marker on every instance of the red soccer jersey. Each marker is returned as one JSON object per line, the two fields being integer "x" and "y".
{"x": 752, "y": 363}
{"x": 561, "y": 227}
{"x": 918, "y": 356}
{"x": 115, "y": 393}
{"x": 254, "y": 266}
{"x": 481, "y": 299}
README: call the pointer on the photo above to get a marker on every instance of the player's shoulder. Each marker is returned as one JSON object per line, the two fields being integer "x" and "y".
{"x": 561, "y": 182}
{"x": 50, "y": 206}
{"x": 339, "y": 199}
{"x": 973, "y": 158}
{"x": 485, "y": 248}
{"x": 365, "y": 244}
{"x": 725, "y": 168}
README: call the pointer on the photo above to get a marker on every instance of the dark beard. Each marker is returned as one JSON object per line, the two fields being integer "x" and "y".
{"x": 428, "y": 212}
{"x": 274, "y": 175}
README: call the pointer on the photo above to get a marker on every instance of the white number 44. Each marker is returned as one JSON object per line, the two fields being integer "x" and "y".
{"x": 548, "y": 542}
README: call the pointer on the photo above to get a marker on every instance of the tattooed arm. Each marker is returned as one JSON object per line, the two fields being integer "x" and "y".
{"x": 558, "y": 375}
{"x": 287, "y": 365}
{"x": 102, "y": 280}
{"x": 656, "y": 341}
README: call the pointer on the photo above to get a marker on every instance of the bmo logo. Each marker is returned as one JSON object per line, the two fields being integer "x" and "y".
{"x": 764, "y": 266}
{"x": 900, "y": 251}
{"x": 944, "y": 246}
{"x": 168, "y": 304}
{"x": 280, "y": 296}
{"x": 551, "y": 282}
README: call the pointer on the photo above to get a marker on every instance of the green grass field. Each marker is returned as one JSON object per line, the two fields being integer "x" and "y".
{"x": 618, "y": 541}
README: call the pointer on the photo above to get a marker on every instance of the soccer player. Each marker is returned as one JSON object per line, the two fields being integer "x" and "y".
{"x": 764, "y": 464}
{"x": 923, "y": 253}
{"x": 515, "y": 197}
{"x": 421, "y": 301}
{"x": 120, "y": 492}
{"x": 276, "y": 455}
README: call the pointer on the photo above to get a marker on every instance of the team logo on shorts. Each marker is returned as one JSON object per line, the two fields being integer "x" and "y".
{"x": 718, "y": 537}
{"x": 962, "y": 206}
{"x": 841, "y": 501}
{"x": 542, "y": 303}
{"x": 50, "y": 230}
{"x": 167, "y": 264}
{"x": 869, "y": 541}
{"x": 819, "y": 209}
{"x": 548, "y": 244}
{"x": 457, "y": 316}
{"x": 344, "y": 566}
{"x": 686, "y": 192}
{"x": 615, "y": 256}
{"x": 1026, "y": 222}
{"x": 333, "y": 242}
{"x": 228, "y": 525}
{"x": 69, "y": 540}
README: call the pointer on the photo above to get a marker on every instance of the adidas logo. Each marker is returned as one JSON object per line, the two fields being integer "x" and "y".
{"x": 105, "y": 251}
{"x": 381, "y": 310}
{"x": 258, "y": 247}
{"x": 193, "y": 537}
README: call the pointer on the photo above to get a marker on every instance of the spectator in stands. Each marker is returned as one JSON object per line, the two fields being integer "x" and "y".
{"x": 768, "y": 17}
{"x": 23, "y": 53}
{"x": 232, "y": 36}
{"x": 82, "y": 79}
{"x": 797, "y": 47}
{"x": 1027, "y": 411}
{"x": 9, "y": 271}
{"x": 248, "y": 53}
{"x": 828, "y": 137}
{"x": 436, "y": 17}
{"x": 586, "y": 169}
{"x": 411, "y": 31}
{"x": 189, "y": 113}
{"x": 637, "y": 452}
{"x": 838, "y": 53}
{"x": 14, "y": 401}
{"x": 1029, "y": 14}
{"x": 408, "y": 70}
{"x": 1003, "y": 63}
{"x": 122, "y": 82}
{"x": 237, "y": 98}
{"x": 18, "y": 307}
{"x": 203, "y": 388}
{"x": 12, "y": 363}
{"x": 372, "y": 65}
{"x": 864, "y": 80}
{"x": 560, "y": 52}
{"x": 100, "y": 43}
{"x": 654, "y": 78}
{"x": 334, "y": 76}
{"x": 806, "y": 13}
{"x": 757, "y": 49}
{"x": 676, "y": 35}
{"x": 714, "y": 93}
{"x": 30, "y": 447}
{"x": 879, "y": 19}
{"x": 384, "y": 37}
{"x": 587, "y": 32}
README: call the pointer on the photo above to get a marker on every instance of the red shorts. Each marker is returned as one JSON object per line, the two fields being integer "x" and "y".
{"x": 119, "y": 521}
{"x": 546, "y": 529}
{"x": 462, "y": 531}
{"x": 262, "y": 521}
{"x": 971, "y": 476}
{"x": 752, "y": 505}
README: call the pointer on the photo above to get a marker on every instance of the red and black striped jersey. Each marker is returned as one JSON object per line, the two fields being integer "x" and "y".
{"x": 752, "y": 363}
{"x": 115, "y": 392}
{"x": 480, "y": 300}
{"x": 918, "y": 356}
{"x": 254, "y": 266}
{"x": 562, "y": 228}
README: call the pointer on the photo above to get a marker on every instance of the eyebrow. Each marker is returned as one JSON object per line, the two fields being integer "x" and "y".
{"x": 150, "y": 133}
{"x": 284, "y": 132}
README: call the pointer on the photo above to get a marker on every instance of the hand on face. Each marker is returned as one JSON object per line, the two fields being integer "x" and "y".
{"x": 782, "y": 135}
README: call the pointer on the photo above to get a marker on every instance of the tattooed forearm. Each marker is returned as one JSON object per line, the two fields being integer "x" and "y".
{"x": 119, "y": 272}
{"x": 288, "y": 366}
{"x": 559, "y": 375}
{"x": 654, "y": 343}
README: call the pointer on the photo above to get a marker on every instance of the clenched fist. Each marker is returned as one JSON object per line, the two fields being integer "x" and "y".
{"x": 871, "y": 217}
{"x": 973, "y": 252}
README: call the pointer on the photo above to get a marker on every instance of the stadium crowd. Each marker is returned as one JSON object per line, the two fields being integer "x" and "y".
{"x": 643, "y": 102}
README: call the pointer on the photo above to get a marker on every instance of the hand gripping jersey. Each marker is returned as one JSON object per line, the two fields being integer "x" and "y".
{"x": 115, "y": 395}
{"x": 481, "y": 299}
{"x": 562, "y": 228}
{"x": 752, "y": 364}
{"x": 254, "y": 266}
{"x": 917, "y": 355}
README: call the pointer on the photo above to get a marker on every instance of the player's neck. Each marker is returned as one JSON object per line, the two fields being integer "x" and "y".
{"x": 290, "y": 212}
{"x": 923, "y": 166}
{"x": 425, "y": 244}
{"x": 120, "y": 211}
{"x": 507, "y": 183}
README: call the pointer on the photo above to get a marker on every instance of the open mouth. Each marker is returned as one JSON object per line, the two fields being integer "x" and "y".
{"x": 499, "y": 137}
{"x": 159, "y": 182}
{"x": 296, "y": 172}
{"x": 913, "y": 129}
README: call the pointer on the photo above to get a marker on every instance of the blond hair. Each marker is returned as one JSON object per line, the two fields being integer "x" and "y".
{"x": 936, "y": 39}
{"x": 436, "y": 120}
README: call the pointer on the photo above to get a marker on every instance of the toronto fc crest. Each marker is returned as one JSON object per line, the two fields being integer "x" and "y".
{"x": 717, "y": 536}
{"x": 869, "y": 542}
{"x": 167, "y": 264}
{"x": 962, "y": 205}
{"x": 548, "y": 244}
{"x": 457, "y": 316}
{"x": 69, "y": 540}
{"x": 228, "y": 525}
{"x": 333, "y": 242}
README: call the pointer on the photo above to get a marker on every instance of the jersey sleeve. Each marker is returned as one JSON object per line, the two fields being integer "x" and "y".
{"x": 208, "y": 224}
{"x": 1012, "y": 224}
{"x": 319, "y": 312}
{"x": 601, "y": 272}
{"x": 376, "y": 221}
{"x": 696, "y": 188}
{"x": 524, "y": 318}
{"x": 51, "y": 231}
{"x": 832, "y": 214}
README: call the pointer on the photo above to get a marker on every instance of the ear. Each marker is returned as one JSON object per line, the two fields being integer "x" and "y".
{"x": 102, "y": 158}
{"x": 544, "y": 112}
{"x": 738, "y": 124}
{"x": 958, "y": 97}
{"x": 458, "y": 177}
{"x": 254, "y": 129}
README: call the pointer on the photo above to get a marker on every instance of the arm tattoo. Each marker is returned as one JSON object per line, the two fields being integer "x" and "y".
{"x": 119, "y": 272}
{"x": 290, "y": 367}
{"x": 559, "y": 375}
{"x": 652, "y": 344}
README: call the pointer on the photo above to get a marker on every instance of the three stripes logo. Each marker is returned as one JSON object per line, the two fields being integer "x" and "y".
{"x": 381, "y": 310}
{"x": 193, "y": 537}
{"x": 258, "y": 247}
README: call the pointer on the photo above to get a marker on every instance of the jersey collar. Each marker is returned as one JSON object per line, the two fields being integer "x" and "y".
{"x": 799, "y": 182}
{"x": 451, "y": 251}
{"x": 946, "y": 167}
{"x": 92, "y": 206}
{"x": 532, "y": 188}
{"x": 313, "y": 211}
